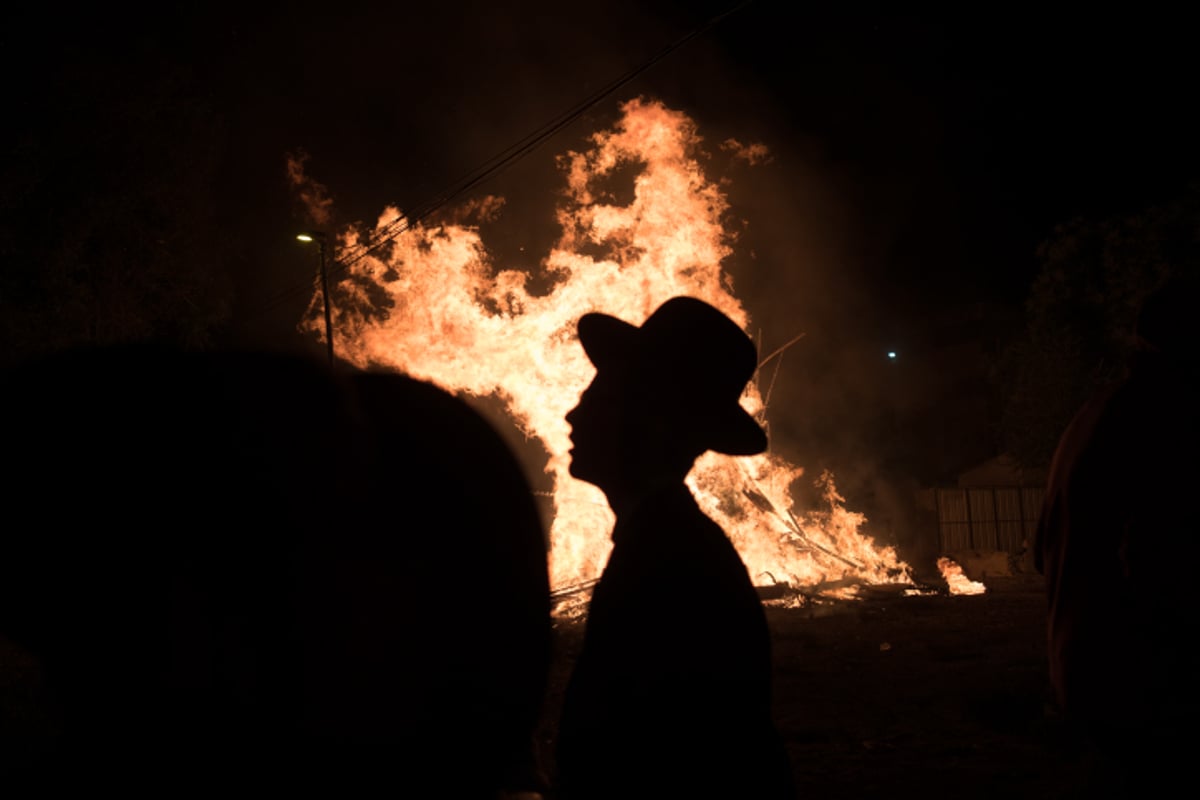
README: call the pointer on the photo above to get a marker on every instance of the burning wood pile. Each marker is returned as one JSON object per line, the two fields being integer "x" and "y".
{"x": 435, "y": 305}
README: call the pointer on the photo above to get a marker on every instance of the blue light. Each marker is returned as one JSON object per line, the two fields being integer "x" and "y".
{"x": 892, "y": 355}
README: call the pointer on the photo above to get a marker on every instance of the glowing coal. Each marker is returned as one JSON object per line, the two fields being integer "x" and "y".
{"x": 432, "y": 304}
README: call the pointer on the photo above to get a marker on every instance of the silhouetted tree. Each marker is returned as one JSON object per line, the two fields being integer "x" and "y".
{"x": 1080, "y": 314}
{"x": 108, "y": 201}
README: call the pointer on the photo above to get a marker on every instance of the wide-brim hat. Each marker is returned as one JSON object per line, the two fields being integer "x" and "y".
{"x": 689, "y": 354}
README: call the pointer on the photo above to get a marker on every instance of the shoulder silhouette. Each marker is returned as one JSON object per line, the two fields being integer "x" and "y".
{"x": 1117, "y": 511}
{"x": 246, "y": 564}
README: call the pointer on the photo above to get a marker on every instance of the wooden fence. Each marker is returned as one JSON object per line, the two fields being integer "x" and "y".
{"x": 987, "y": 518}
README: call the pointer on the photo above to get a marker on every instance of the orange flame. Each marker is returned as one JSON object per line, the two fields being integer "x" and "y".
{"x": 956, "y": 579}
{"x": 435, "y": 307}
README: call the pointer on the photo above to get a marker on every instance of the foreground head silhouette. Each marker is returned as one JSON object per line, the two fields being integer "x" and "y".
{"x": 1119, "y": 510}
{"x": 671, "y": 693}
{"x": 242, "y": 567}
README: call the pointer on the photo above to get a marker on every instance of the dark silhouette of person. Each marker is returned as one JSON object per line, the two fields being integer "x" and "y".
{"x": 249, "y": 571}
{"x": 1117, "y": 535}
{"x": 671, "y": 693}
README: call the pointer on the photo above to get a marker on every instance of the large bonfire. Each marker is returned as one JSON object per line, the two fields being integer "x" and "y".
{"x": 432, "y": 304}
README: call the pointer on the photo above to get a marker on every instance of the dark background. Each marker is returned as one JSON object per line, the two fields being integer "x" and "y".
{"x": 918, "y": 160}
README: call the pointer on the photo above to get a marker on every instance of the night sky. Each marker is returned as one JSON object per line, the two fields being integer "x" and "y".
{"x": 919, "y": 157}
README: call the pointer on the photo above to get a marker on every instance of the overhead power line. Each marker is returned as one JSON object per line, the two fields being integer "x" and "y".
{"x": 497, "y": 163}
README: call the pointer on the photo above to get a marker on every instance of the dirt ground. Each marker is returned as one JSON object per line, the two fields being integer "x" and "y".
{"x": 922, "y": 696}
{"x": 891, "y": 697}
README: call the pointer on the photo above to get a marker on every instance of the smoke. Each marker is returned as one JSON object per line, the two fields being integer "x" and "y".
{"x": 753, "y": 154}
{"x": 312, "y": 196}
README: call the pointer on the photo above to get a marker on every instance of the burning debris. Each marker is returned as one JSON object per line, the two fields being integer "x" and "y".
{"x": 958, "y": 582}
{"x": 434, "y": 305}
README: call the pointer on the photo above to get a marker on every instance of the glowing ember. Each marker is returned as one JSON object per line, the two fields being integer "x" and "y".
{"x": 434, "y": 306}
{"x": 956, "y": 580}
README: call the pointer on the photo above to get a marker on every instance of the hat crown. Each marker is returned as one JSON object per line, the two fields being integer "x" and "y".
{"x": 699, "y": 346}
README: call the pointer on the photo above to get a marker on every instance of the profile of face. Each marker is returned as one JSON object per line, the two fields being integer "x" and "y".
{"x": 597, "y": 431}
{"x": 627, "y": 438}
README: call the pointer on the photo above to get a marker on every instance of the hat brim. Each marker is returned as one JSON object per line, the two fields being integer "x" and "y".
{"x": 739, "y": 435}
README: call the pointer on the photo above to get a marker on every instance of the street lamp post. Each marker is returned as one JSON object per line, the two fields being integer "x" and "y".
{"x": 320, "y": 239}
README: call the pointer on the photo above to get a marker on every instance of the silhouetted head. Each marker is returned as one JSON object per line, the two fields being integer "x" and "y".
{"x": 664, "y": 392}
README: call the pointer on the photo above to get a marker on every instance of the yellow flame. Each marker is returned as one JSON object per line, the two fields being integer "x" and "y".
{"x": 435, "y": 306}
